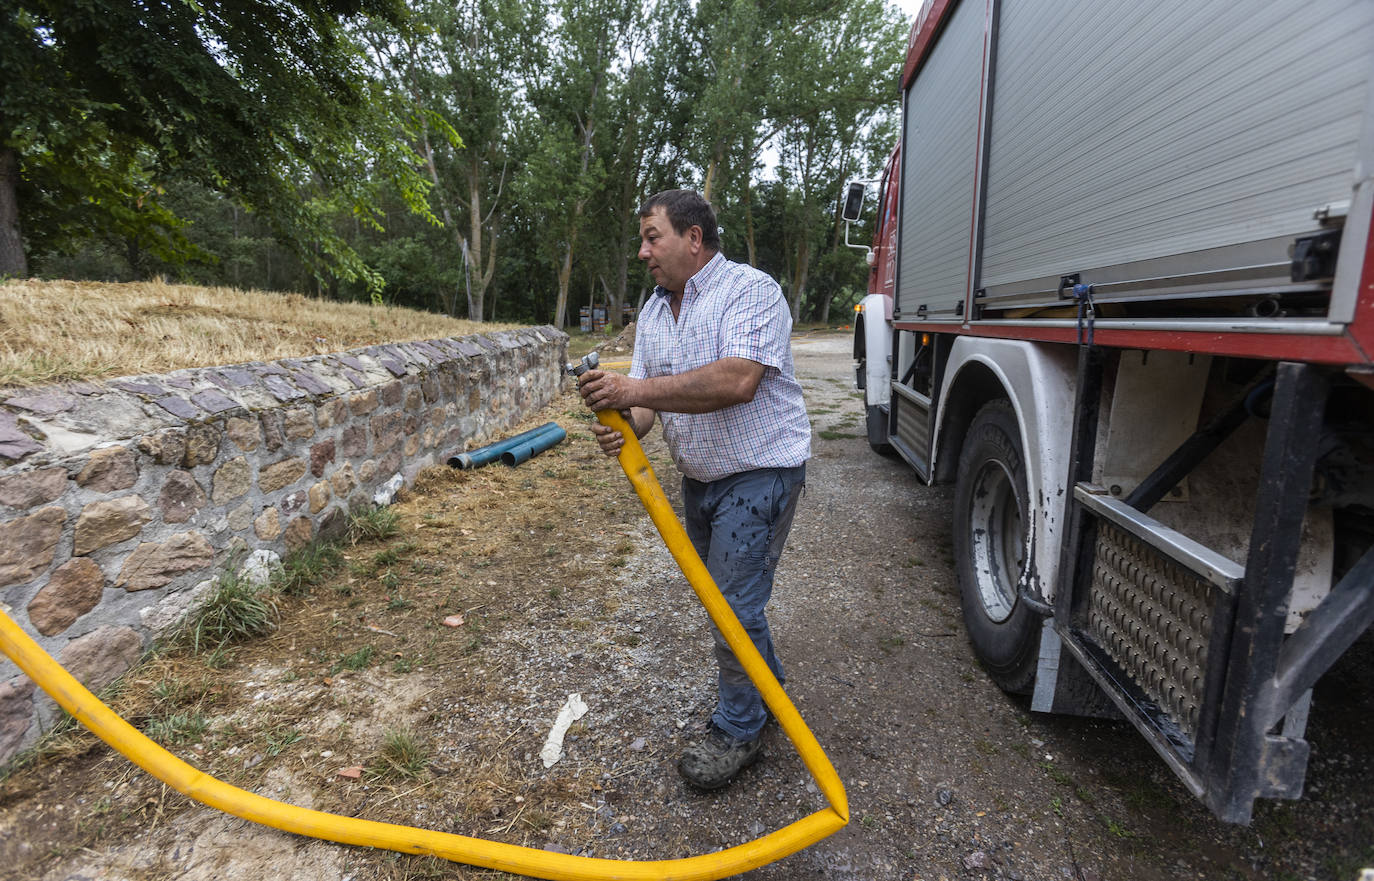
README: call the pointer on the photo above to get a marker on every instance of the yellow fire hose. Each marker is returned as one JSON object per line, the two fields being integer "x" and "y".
{"x": 73, "y": 697}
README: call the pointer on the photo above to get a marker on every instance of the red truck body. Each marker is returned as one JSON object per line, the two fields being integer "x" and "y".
{"x": 1122, "y": 297}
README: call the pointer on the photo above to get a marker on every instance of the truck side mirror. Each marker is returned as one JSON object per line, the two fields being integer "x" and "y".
{"x": 853, "y": 202}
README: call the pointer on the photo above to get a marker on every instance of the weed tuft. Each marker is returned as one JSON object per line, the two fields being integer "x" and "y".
{"x": 177, "y": 727}
{"x": 373, "y": 524}
{"x": 358, "y": 660}
{"x": 307, "y": 567}
{"x": 403, "y": 755}
{"x": 238, "y": 610}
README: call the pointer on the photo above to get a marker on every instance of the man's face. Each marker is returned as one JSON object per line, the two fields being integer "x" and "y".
{"x": 671, "y": 258}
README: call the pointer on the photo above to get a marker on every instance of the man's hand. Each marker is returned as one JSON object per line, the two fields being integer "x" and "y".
{"x": 610, "y": 440}
{"x": 606, "y": 391}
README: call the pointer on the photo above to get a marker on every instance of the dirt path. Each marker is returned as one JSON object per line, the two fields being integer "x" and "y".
{"x": 564, "y": 587}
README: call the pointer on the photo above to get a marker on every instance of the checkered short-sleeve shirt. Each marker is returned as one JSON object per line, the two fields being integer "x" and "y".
{"x": 729, "y": 310}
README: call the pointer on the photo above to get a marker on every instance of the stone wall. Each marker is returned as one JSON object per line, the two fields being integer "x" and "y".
{"x": 121, "y": 503}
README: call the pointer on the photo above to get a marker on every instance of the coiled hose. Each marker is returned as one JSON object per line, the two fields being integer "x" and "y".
{"x": 77, "y": 700}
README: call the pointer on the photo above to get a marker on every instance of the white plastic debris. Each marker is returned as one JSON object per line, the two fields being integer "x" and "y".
{"x": 573, "y": 709}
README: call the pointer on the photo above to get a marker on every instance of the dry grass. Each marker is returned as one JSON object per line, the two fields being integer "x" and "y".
{"x": 440, "y": 718}
{"x": 54, "y": 331}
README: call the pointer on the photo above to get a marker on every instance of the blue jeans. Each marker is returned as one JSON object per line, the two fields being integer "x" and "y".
{"x": 738, "y": 525}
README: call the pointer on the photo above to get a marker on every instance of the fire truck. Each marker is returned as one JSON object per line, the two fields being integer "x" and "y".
{"x": 1122, "y": 298}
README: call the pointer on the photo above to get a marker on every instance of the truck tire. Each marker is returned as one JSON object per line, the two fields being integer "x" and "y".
{"x": 990, "y": 517}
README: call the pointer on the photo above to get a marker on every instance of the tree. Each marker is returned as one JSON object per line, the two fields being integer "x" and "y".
{"x": 263, "y": 100}
{"x": 460, "y": 73}
{"x": 834, "y": 80}
{"x": 566, "y": 168}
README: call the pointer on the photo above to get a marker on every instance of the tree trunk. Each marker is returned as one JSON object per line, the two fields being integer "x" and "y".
{"x": 12, "y": 260}
{"x": 477, "y": 290}
{"x": 800, "y": 273}
{"x": 451, "y": 306}
{"x": 749, "y": 223}
{"x": 560, "y": 309}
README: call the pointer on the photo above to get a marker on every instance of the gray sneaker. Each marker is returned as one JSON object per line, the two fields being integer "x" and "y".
{"x": 716, "y": 759}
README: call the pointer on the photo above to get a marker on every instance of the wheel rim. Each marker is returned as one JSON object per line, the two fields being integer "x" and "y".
{"x": 997, "y": 539}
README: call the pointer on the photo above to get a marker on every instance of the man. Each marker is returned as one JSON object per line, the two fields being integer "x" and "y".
{"x": 713, "y": 361}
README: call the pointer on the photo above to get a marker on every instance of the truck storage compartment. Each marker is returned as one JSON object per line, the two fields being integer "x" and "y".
{"x": 938, "y": 170}
{"x": 1187, "y": 160}
{"x": 1173, "y": 152}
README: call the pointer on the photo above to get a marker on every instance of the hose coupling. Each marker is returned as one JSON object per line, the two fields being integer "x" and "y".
{"x": 590, "y": 361}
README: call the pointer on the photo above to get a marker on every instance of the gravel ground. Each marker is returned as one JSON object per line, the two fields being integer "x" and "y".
{"x": 947, "y": 777}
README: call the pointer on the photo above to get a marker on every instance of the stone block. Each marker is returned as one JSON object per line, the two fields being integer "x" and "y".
{"x": 344, "y": 481}
{"x": 202, "y": 445}
{"x": 368, "y": 471}
{"x": 321, "y": 454}
{"x": 331, "y": 413}
{"x": 43, "y": 403}
{"x": 390, "y": 462}
{"x": 107, "y": 522}
{"x": 241, "y": 517}
{"x": 15, "y": 443}
{"x": 299, "y": 533}
{"x": 364, "y": 403}
{"x": 411, "y": 446}
{"x": 154, "y": 564}
{"x": 166, "y": 447}
{"x": 430, "y": 387}
{"x": 244, "y": 431}
{"x": 353, "y": 441}
{"x": 181, "y": 497}
{"x": 300, "y": 423}
{"x": 30, "y": 488}
{"x": 213, "y": 402}
{"x": 109, "y": 470}
{"x": 320, "y": 494}
{"x": 170, "y": 610}
{"x": 281, "y": 474}
{"x": 390, "y": 394}
{"x": 294, "y": 502}
{"x": 333, "y": 523}
{"x": 273, "y": 430}
{"x": 231, "y": 480}
{"x": 102, "y": 656}
{"x": 415, "y": 399}
{"x": 72, "y": 591}
{"x": 268, "y": 525}
{"x": 16, "y": 714}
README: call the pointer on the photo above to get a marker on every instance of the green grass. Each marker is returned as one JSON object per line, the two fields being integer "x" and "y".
{"x": 279, "y": 738}
{"x": 403, "y": 755}
{"x": 307, "y": 568}
{"x": 373, "y": 524}
{"x": 357, "y": 660}
{"x": 177, "y": 727}
{"x": 237, "y": 610}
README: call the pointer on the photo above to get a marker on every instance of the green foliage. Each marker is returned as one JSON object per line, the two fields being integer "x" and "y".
{"x": 260, "y": 100}
{"x": 478, "y": 157}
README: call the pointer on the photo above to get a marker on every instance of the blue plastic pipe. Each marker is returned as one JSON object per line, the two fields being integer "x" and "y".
{"x": 491, "y": 452}
{"x": 533, "y": 447}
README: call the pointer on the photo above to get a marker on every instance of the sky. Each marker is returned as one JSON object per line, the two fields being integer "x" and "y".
{"x": 909, "y": 9}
